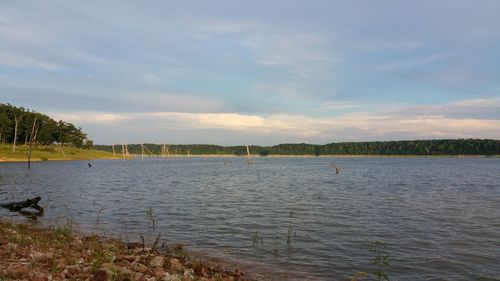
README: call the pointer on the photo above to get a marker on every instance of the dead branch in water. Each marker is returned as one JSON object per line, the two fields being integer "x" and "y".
{"x": 18, "y": 206}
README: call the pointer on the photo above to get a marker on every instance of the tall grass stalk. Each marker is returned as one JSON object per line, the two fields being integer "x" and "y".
{"x": 151, "y": 217}
{"x": 380, "y": 260}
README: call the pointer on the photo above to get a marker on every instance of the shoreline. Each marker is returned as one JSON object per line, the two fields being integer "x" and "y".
{"x": 19, "y": 160}
{"x": 41, "y": 153}
{"x": 59, "y": 253}
{"x": 137, "y": 157}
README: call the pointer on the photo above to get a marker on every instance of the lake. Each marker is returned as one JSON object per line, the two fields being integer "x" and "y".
{"x": 440, "y": 217}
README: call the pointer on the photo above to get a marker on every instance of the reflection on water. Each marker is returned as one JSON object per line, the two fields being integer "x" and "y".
{"x": 439, "y": 216}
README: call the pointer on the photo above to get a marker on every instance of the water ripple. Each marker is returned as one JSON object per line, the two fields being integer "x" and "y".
{"x": 439, "y": 217}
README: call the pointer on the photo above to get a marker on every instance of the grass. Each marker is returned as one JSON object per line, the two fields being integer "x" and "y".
{"x": 151, "y": 217}
{"x": 50, "y": 152}
{"x": 257, "y": 237}
{"x": 290, "y": 229}
{"x": 276, "y": 246}
{"x": 380, "y": 260}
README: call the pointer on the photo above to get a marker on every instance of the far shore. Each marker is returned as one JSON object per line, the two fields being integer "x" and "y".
{"x": 107, "y": 157}
{"x": 50, "y": 153}
{"x": 25, "y": 160}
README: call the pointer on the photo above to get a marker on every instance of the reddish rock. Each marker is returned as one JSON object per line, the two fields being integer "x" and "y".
{"x": 18, "y": 271}
{"x": 40, "y": 277}
{"x": 157, "y": 261}
{"x": 40, "y": 257}
{"x": 175, "y": 264}
{"x": 74, "y": 269}
{"x": 139, "y": 267}
{"x": 129, "y": 258}
{"x": 100, "y": 275}
{"x": 159, "y": 273}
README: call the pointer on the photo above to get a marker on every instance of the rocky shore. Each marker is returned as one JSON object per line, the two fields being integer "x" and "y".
{"x": 30, "y": 253}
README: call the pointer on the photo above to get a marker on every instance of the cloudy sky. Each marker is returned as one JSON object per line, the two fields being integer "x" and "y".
{"x": 256, "y": 72}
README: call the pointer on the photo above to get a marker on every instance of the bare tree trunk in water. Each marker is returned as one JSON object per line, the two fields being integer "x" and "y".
{"x": 32, "y": 139}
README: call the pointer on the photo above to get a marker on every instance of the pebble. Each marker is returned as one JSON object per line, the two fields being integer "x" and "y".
{"x": 139, "y": 267}
{"x": 18, "y": 271}
{"x": 39, "y": 257}
{"x": 159, "y": 273}
{"x": 157, "y": 261}
{"x": 175, "y": 264}
{"x": 189, "y": 273}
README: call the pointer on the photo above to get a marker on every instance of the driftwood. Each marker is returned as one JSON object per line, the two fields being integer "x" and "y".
{"x": 20, "y": 205}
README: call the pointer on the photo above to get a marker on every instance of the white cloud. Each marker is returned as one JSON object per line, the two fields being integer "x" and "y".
{"x": 330, "y": 106}
{"x": 90, "y": 117}
{"x": 483, "y": 108}
{"x": 175, "y": 102}
{"x": 407, "y": 45}
{"x": 484, "y": 102}
{"x": 26, "y": 61}
{"x": 302, "y": 53}
{"x": 417, "y": 61}
{"x": 213, "y": 26}
{"x": 98, "y": 61}
{"x": 298, "y": 52}
{"x": 23, "y": 32}
{"x": 348, "y": 127}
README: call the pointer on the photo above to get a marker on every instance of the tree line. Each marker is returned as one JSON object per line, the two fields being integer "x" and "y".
{"x": 414, "y": 147}
{"x": 22, "y": 126}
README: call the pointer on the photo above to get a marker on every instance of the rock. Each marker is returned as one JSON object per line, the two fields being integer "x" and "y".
{"x": 146, "y": 278}
{"x": 139, "y": 267}
{"x": 18, "y": 271}
{"x": 123, "y": 263}
{"x": 172, "y": 277}
{"x": 86, "y": 270}
{"x": 100, "y": 275}
{"x": 129, "y": 258}
{"x": 157, "y": 261}
{"x": 137, "y": 275}
{"x": 107, "y": 265}
{"x": 12, "y": 247}
{"x": 77, "y": 243}
{"x": 65, "y": 273}
{"x": 39, "y": 257}
{"x": 40, "y": 277}
{"x": 189, "y": 273}
{"x": 159, "y": 273}
{"x": 122, "y": 271}
{"x": 175, "y": 264}
{"x": 74, "y": 270}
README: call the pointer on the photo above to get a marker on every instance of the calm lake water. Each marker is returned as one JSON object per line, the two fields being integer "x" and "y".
{"x": 440, "y": 217}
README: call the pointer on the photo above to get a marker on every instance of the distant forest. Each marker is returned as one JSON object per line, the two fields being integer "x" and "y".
{"x": 18, "y": 125}
{"x": 416, "y": 147}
